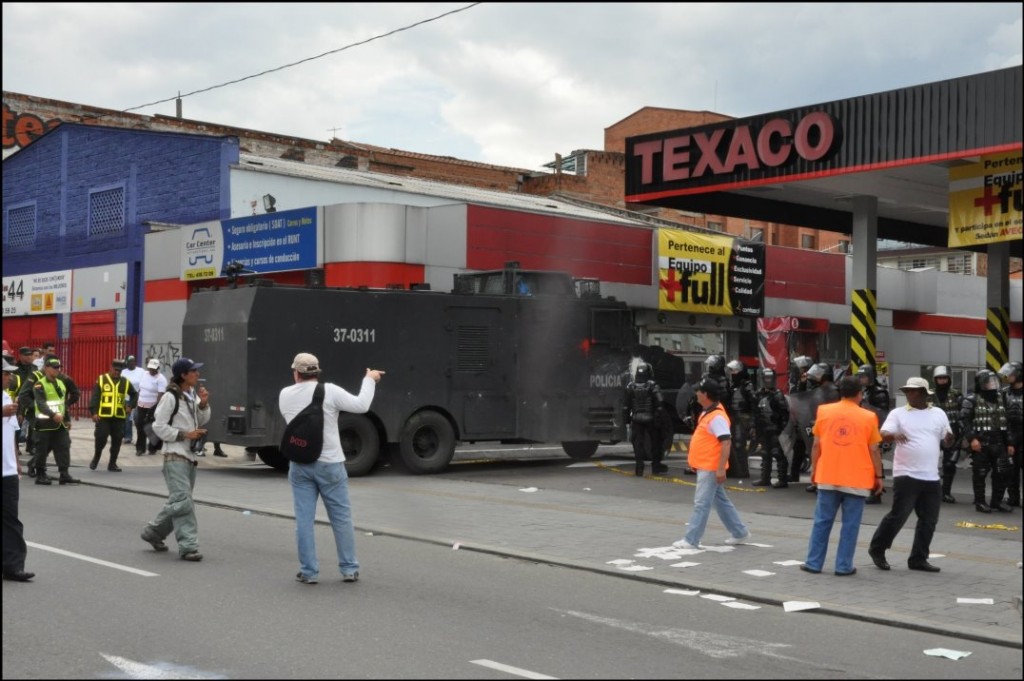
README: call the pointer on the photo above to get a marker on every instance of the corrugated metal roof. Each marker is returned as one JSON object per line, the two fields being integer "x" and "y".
{"x": 413, "y": 185}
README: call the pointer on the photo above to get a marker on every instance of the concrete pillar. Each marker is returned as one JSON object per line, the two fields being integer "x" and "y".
{"x": 863, "y": 295}
{"x": 997, "y": 314}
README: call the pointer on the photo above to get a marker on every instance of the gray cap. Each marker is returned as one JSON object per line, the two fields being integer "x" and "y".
{"x": 9, "y": 367}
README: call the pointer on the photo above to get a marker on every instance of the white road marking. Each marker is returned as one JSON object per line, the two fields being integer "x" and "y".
{"x": 525, "y": 673}
{"x": 714, "y": 645}
{"x": 88, "y": 559}
{"x": 158, "y": 670}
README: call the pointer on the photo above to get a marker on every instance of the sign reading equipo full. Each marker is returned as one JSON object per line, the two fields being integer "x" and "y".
{"x": 985, "y": 201}
{"x": 710, "y": 274}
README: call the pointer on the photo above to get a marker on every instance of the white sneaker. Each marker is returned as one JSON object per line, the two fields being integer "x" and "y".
{"x": 732, "y": 541}
{"x": 683, "y": 544}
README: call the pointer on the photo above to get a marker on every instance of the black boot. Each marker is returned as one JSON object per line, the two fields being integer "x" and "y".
{"x": 42, "y": 478}
{"x": 982, "y": 507}
{"x": 639, "y": 469}
{"x": 66, "y": 479}
{"x": 95, "y": 462}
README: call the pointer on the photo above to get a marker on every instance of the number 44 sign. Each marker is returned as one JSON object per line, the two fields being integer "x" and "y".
{"x": 33, "y": 294}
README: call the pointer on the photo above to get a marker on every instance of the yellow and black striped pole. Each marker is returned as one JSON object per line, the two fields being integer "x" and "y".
{"x": 864, "y": 327}
{"x": 997, "y": 337}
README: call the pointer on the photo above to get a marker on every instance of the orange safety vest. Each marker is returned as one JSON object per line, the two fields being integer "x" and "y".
{"x": 705, "y": 447}
{"x": 845, "y": 433}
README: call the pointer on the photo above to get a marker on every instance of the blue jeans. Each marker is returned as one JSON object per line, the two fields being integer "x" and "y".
{"x": 829, "y": 503}
{"x": 330, "y": 481}
{"x": 709, "y": 493}
{"x": 127, "y": 428}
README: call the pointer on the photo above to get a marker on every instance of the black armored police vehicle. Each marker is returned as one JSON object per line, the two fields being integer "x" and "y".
{"x": 510, "y": 356}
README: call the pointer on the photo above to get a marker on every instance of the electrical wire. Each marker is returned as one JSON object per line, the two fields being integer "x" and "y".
{"x": 307, "y": 59}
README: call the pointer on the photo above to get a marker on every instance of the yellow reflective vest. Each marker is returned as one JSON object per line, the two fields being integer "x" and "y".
{"x": 54, "y": 392}
{"x": 112, "y": 397}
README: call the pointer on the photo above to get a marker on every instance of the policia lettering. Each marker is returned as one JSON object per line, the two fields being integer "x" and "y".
{"x": 112, "y": 400}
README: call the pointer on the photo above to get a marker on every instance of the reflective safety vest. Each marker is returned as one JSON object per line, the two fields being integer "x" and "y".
{"x": 14, "y": 386}
{"x": 55, "y": 392}
{"x": 112, "y": 397}
{"x": 705, "y": 447}
{"x": 845, "y": 433}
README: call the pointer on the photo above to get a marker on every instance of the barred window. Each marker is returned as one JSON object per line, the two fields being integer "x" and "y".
{"x": 106, "y": 211}
{"x": 960, "y": 264}
{"x": 21, "y": 226}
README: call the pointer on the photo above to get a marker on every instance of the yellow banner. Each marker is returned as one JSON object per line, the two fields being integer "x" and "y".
{"x": 710, "y": 274}
{"x": 985, "y": 201}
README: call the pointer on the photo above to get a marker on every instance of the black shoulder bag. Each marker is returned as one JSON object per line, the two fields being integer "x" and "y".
{"x": 303, "y": 437}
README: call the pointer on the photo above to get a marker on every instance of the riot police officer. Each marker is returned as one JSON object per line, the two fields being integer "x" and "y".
{"x": 740, "y": 407}
{"x": 798, "y": 373}
{"x": 821, "y": 384}
{"x": 874, "y": 397}
{"x": 642, "y": 407}
{"x": 983, "y": 418}
{"x": 948, "y": 399}
{"x": 1012, "y": 374}
{"x": 771, "y": 414}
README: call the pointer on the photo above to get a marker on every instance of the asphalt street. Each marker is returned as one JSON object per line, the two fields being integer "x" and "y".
{"x": 597, "y": 516}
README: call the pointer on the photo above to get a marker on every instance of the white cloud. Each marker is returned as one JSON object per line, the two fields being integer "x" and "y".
{"x": 504, "y": 83}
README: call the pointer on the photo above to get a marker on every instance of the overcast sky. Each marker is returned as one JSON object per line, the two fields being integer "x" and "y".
{"x": 503, "y": 83}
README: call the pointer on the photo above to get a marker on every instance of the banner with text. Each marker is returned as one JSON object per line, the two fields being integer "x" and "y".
{"x": 710, "y": 274}
{"x": 985, "y": 201}
{"x": 273, "y": 242}
{"x": 41, "y": 293}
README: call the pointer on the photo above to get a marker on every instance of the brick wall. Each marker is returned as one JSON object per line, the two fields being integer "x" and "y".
{"x": 654, "y": 119}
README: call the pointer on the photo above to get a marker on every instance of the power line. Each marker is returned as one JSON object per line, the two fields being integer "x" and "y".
{"x": 303, "y": 61}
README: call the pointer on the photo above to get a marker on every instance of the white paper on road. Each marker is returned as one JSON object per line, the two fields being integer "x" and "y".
{"x": 619, "y": 561}
{"x": 688, "y": 552}
{"x": 683, "y": 592}
{"x": 760, "y": 546}
{"x": 527, "y": 489}
{"x": 455, "y": 546}
{"x": 685, "y": 564}
{"x": 796, "y": 606}
{"x": 719, "y": 549}
{"x": 976, "y": 601}
{"x": 634, "y": 568}
{"x": 758, "y": 573}
{"x": 937, "y": 555}
{"x": 595, "y": 464}
{"x": 946, "y": 652}
{"x": 789, "y": 563}
{"x": 742, "y": 606}
{"x": 718, "y": 597}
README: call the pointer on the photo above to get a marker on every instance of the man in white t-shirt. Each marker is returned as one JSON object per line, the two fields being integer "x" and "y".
{"x": 326, "y": 477}
{"x": 134, "y": 373}
{"x": 919, "y": 431}
{"x": 152, "y": 386}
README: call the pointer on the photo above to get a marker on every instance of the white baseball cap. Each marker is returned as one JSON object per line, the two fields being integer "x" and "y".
{"x": 153, "y": 364}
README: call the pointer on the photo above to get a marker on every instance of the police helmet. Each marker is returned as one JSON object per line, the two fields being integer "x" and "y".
{"x": 644, "y": 373}
{"x": 803, "y": 363}
{"x": 819, "y": 373}
{"x": 714, "y": 364}
{"x": 768, "y": 376}
{"x": 735, "y": 367}
{"x": 866, "y": 373}
{"x": 1011, "y": 372}
{"x": 986, "y": 381}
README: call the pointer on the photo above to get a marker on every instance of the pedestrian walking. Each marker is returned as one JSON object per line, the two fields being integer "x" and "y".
{"x": 134, "y": 373}
{"x": 152, "y": 387}
{"x": 178, "y": 421}
{"x": 919, "y": 431}
{"x": 709, "y": 456}
{"x": 14, "y": 549}
{"x": 846, "y": 467}
{"x": 111, "y": 403}
{"x": 325, "y": 477}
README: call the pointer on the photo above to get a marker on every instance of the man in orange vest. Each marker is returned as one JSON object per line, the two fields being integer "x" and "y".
{"x": 846, "y": 466}
{"x": 709, "y": 456}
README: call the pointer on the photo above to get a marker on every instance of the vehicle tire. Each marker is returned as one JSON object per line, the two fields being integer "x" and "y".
{"x": 580, "y": 449}
{"x": 427, "y": 443}
{"x": 360, "y": 442}
{"x": 273, "y": 457}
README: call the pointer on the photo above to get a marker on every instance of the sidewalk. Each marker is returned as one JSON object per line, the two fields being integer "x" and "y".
{"x": 588, "y": 531}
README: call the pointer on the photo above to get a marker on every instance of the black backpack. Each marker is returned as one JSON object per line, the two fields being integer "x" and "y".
{"x": 303, "y": 437}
